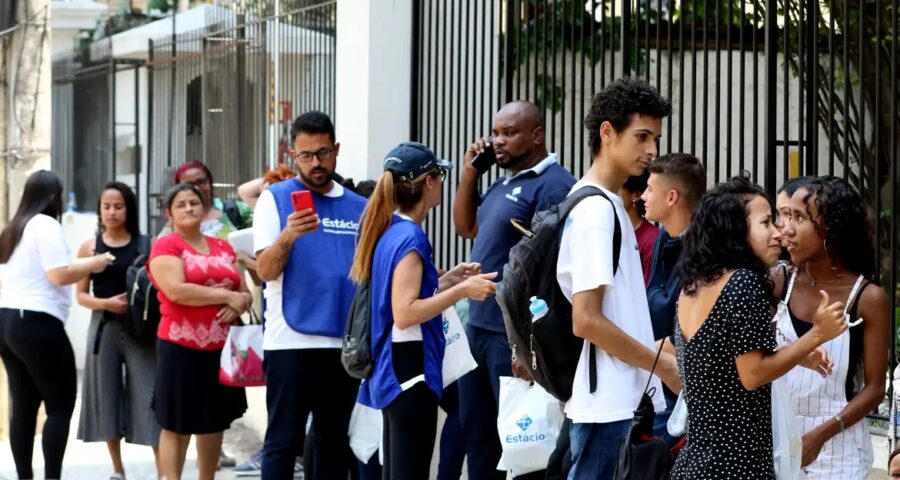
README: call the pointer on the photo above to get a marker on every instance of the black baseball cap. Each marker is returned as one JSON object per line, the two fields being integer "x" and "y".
{"x": 411, "y": 159}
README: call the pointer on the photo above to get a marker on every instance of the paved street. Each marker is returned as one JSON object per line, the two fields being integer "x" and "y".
{"x": 90, "y": 461}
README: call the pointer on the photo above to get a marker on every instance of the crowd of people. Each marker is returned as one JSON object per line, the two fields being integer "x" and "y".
{"x": 719, "y": 293}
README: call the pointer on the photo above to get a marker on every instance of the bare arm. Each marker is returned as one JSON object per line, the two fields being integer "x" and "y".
{"x": 168, "y": 273}
{"x": 408, "y": 309}
{"x": 874, "y": 308}
{"x": 759, "y": 368}
{"x": 589, "y": 323}
{"x": 83, "y": 286}
{"x": 249, "y": 191}
{"x": 465, "y": 205}
{"x": 77, "y": 271}
{"x": 271, "y": 261}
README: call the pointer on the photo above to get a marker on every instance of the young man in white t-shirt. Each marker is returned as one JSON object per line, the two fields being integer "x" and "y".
{"x": 610, "y": 311}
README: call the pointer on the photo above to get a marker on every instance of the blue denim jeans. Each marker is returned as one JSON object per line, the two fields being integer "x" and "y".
{"x": 595, "y": 449}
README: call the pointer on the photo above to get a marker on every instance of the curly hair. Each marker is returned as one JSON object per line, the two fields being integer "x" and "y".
{"x": 617, "y": 102}
{"x": 843, "y": 223}
{"x": 716, "y": 239}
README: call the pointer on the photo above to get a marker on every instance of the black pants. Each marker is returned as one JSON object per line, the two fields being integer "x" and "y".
{"x": 299, "y": 382}
{"x": 41, "y": 368}
{"x": 410, "y": 424}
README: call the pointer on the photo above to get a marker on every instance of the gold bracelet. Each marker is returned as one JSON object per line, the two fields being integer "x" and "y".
{"x": 840, "y": 422}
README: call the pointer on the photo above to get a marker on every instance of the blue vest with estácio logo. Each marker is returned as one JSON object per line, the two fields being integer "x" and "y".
{"x": 317, "y": 290}
{"x": 401, "y": 238}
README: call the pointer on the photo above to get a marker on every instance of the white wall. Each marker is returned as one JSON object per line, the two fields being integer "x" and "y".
{"x": 373, "y": 82}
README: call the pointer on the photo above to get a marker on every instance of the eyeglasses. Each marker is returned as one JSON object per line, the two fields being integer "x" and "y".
{"x": 322, "y": 154}
{"x": 199, "y": 182}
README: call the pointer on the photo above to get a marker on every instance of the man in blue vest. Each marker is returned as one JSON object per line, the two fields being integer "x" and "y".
{"x": 535, "y": 180}
{"x": 304, "y": 257}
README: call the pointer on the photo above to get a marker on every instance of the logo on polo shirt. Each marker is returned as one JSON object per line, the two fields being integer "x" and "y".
{"x": 514, "y": 195}
{"x": 525, "y": 437}
{"x": 339, "y": 226}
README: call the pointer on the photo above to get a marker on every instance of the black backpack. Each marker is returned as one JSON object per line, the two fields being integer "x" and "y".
{"x": 548, "y": 349}
{"x": 356, "y": 350}
{"x": 142, "y": 319}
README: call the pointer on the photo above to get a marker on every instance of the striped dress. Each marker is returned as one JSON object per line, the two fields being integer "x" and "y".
{"x": 816, "y": 400}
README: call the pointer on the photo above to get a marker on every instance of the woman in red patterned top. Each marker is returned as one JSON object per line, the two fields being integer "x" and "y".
{"x": 201, "y": 295}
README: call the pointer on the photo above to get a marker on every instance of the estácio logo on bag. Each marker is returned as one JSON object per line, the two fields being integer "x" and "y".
{"x": 525, "y": 437}
{"x": 450, "y": 340}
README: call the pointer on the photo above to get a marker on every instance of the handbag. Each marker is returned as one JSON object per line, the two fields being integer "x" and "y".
{"x": 642, "y": 455}
{"x": 458, "y": 359}
{"x": 241, "y": 361}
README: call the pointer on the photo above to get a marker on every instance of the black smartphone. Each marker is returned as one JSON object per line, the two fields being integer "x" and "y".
{"x": 485, "y": 160}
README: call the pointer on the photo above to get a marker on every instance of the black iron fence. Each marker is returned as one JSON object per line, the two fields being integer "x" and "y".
{"x": 226, "y": 95}
{"x": 779, "y": 88}
{"x": 96, "y": 134}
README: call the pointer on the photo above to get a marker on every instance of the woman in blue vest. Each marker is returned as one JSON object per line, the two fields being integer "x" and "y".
{"x": 395, "y": 255}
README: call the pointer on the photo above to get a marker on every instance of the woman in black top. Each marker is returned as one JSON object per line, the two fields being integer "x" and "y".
{"x": 110, "y": 407}
{"x": 724, "y": 337}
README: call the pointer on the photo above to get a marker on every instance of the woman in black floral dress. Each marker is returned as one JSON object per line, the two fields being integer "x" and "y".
{"x": 724, "y": 337}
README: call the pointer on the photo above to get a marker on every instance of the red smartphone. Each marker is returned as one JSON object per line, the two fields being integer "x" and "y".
{"x": 302, "y": 199}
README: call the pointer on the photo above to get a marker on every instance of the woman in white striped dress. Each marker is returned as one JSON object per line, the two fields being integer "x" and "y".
{"x": 830, "y": 243}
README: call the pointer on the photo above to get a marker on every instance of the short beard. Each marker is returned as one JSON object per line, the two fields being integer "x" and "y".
{"x": 512, "y": 162}
{"x": 329, "y": 176}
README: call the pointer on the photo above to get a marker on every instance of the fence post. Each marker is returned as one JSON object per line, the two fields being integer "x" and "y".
{"x": 414, "y": 87}
{"x": 771, "y": 27}
{"x": 812, "y": 86}
{"x": 508, "y": 55}
{"x": 626, "y": 39}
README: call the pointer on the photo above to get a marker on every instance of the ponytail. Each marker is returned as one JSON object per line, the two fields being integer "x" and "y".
{"x": 376, "y": 218}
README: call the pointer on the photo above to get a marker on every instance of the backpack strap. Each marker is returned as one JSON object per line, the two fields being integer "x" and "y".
{"x": 231, "y": 210}
{"x": 564, "y": 209}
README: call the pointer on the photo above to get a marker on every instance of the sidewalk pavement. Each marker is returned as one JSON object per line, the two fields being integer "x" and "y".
{"x": 90, "y": 461}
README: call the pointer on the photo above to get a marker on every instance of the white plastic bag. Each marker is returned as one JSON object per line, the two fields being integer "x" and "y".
{"x": 528, "y": 423}
{"x": 787, "y": 435}
{"x": 366, "y": 425}
{"x": 241, "y": 360}
{"x": 678, "y": 420}
{"x": 458, "y": 359}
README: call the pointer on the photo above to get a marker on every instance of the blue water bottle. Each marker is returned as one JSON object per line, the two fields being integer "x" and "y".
{"x": 538, "y": 309}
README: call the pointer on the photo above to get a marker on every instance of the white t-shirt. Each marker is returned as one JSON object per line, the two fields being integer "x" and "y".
{"x": 585, "y": 263}
{"x": 278, "y": 334}
{"x": 25, "y": 286}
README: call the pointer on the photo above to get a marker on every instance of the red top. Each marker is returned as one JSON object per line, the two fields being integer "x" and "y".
{"x": 196, "y": 327}
{"x": 646, "y": 237}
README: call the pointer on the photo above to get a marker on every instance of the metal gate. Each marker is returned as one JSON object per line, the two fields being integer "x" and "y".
{"x": 214, "y": 95}
{"x": 95, "y": 131}
{"x": 779, "y": 88}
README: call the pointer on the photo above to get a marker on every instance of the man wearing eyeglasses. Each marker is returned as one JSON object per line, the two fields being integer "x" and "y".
{"x": 534, "y": 181}
{"x": 304, "y": 257}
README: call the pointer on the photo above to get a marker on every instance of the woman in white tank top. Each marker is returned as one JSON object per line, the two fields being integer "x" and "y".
{"x": 831, "y": 248}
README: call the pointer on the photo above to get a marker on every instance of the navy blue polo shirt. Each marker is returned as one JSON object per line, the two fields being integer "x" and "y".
{"x": 520, "y": 197}
{"x": 664, "y": 286}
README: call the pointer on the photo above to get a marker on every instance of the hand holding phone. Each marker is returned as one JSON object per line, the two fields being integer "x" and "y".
{"x": 302, "y": 200}
{"x": 486, "y": 159}
{"x": 301, "y": 224}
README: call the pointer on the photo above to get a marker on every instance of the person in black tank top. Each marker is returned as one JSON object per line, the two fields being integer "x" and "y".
{"x": 830, "y": 243}
{"x": 111, "y": 408}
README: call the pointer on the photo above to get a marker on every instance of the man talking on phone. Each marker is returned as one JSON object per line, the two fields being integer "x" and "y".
{"x": 533, "y": 182}
{"x": 304, "y": 256}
